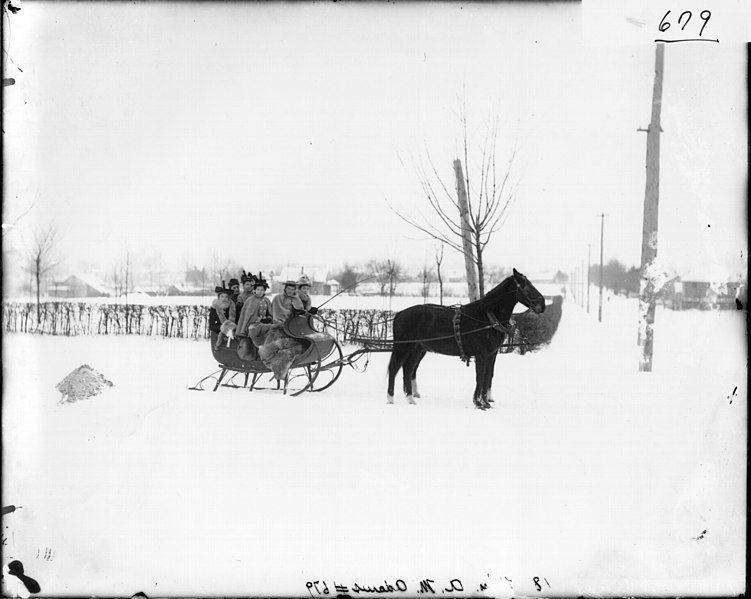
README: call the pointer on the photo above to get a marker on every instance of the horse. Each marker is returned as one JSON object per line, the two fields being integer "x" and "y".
{"x": 474, "y": 330}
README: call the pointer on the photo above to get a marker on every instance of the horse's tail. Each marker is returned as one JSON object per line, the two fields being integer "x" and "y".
{"x": 395, "y": 362}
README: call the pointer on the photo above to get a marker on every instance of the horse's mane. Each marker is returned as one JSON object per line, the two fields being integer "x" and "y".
{"x": 494, "y": 296}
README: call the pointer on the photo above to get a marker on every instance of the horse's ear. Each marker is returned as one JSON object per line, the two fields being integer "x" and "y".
{"x": 516, "y": 273}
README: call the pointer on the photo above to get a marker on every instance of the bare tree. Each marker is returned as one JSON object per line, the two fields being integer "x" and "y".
{"x": 438, "y": 262}
{"x": 121, "y": 277}
{"x": 468, "y": 227}
{"x": 118, "y": 278}
{"x": 224, "y": 268}
{"x": 155, "y": 266}
{"x": 7, "y": 227}
{"x": 348, "y": 277}
{"x": 426, "y": 278}
{"x": 40, "y": 259}
{"x": 388, "y": 273}
{"x": 495, "y": 275}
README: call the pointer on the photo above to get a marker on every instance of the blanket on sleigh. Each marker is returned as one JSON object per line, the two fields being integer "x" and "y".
{"x": 275, "y": 349}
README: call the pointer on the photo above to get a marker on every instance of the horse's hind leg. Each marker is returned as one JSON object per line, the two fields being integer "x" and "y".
{"x": 408, "y": 372}
{"x": 415, "y": 392}
{"x": 398, "y": 356}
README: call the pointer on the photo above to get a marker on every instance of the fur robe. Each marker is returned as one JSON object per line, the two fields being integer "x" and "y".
{"x": 275, "y": 349}
{"x": 303, "y": 301}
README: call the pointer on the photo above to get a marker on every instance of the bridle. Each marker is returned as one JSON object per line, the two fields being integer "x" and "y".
{"x": 522, "y": 295}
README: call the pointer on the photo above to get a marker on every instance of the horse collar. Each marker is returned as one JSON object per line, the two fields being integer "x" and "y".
{"x": 458, "y": 334}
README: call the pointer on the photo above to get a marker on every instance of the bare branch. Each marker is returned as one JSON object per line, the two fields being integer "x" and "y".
{"x": 9, "y": 226}
{"x": 429, "y": 230}
{"x": 453, "y": 201}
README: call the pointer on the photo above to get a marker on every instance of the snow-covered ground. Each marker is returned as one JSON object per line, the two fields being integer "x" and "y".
{"x": 587, "y": 478}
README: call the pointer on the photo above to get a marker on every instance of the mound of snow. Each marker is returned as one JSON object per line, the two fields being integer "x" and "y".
{"x": 82, "y": 383}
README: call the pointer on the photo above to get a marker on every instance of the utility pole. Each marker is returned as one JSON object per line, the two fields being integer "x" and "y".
{"x": 602, "y": 243}
{"x": 589, "y": 272}
{"x": 469, "y": 254}
{"x": 649, "y": 228}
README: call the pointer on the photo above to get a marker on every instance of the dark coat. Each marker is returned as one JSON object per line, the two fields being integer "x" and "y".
{"x": 218, "y": 314}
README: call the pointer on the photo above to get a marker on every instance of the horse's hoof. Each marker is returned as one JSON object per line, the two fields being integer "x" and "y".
{"x": 411, "y": 400}
{"x": 390, "y": 400}
{"x": 416, "y": 395}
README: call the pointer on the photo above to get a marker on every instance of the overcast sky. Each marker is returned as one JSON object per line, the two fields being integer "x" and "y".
{"x": 278, "y": 134}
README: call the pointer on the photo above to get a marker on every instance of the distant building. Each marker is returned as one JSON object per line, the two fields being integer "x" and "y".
{"x": 322, "y": 283}
{"x": 79, "y": 286}
{"x": 703, "y": 289}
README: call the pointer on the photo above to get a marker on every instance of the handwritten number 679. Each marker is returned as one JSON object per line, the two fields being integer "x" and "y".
{"x": 705, "y": 15}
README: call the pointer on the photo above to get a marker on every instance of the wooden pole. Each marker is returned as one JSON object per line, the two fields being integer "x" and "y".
{"x": 649, "y": 228}
{"x": 469, "y": 254}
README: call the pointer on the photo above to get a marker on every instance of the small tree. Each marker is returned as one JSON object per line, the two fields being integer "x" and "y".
{"x": 388, "y": 273}
{"x": 40, "y": 260}
{"x": 426, "y": 278}
{"x": 347, "y": 277}
{"x": 438, "y": 262}
{"x": 223, "y": 268}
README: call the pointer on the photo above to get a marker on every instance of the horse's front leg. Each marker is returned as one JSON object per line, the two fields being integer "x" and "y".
{"x": 480, "y": 369}
{"x": 489, "y": 379}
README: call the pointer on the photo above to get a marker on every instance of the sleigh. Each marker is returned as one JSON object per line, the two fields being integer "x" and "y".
{"x": 315, "y": 369}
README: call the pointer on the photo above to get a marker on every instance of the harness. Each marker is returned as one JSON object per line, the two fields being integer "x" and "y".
{"x": 506, "y": 328}
{"x": 458, "y": 334}
{"x": 494, "y": 324}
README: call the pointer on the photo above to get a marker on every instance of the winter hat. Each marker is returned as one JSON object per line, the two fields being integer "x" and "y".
{"x": 233, "y": 282}
{"x": 260, "y": 281}
{"x": 222, "y": 289}
{"x": 304, "y": 280}
{"x": 289, "y": 283}
{"x": 247, "y": 277}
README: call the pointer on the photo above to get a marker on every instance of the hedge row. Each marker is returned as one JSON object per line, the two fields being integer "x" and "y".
{"x": 186, "y": 322}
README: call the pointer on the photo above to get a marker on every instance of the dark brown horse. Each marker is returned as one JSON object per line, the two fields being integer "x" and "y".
{"x": 473, "y": 330}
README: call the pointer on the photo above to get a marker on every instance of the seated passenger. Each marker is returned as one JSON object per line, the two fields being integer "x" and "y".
{"x": 234, "y": 287}
{"x": 282, "y": 304}
{"x": 256, "y": 309}
{"x": 247, "y": 281}
{"x": 222, "y": 316}
{"x": 304, "y": 303}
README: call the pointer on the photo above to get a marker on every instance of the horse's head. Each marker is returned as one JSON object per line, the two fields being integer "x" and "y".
{"x": 527, "y": 294}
